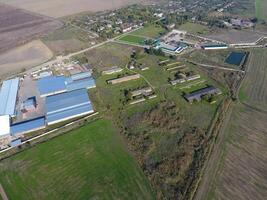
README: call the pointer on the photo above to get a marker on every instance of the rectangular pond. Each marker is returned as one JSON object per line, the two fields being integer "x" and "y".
{"x": 236, "y": 58}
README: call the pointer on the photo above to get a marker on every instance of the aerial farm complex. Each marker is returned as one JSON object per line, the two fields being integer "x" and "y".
{"x": 161, "y": 100}
{"x": 40, "y": 99}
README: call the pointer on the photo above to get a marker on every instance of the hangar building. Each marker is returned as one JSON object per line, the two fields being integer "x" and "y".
{"x": 67, "y": 105}
{"x": 8, "y": 97}
{"x": 51, "y": 85}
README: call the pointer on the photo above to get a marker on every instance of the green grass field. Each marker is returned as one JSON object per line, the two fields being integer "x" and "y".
{"x": 88, "y": 163}
{"x": 261, "y": 9}
{"x": 132, "y": 39}
{"x": 150, "y": 31}
{"x": 194, "y": 28}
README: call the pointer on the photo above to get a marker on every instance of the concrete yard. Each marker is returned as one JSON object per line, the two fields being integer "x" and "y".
{"x": 28, "y": 88}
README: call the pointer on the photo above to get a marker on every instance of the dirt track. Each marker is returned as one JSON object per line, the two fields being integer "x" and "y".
{"x": 2, "y": 193}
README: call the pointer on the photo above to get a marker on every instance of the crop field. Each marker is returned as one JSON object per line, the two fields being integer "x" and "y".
{"x": 132, "y": 39}
{"x": 150, "y": 31}
{"x": 240, "y": 170}
{"x": 254, "y": 86}
{"x": 68, "y": 39}
{"x": 261, "y": 7}
{"x": 234, "y": 36}
{"x": 23, "y": 57}
{"x": 19, "y": 26}
{"x": 194, "y": 28}
{"x": 88, "y": 163}
{"x": 62, "y": 8}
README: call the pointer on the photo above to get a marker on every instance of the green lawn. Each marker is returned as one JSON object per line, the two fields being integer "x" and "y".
{"x": 88, "y": 163}
{"x": 132, "y": 39}
{"x": 194, "y": 28}
{"x": 150, "y": 31}
{"x": 261, "y": 9}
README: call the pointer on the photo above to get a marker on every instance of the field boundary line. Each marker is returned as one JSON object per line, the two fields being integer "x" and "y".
{"x": 3, "y": 193}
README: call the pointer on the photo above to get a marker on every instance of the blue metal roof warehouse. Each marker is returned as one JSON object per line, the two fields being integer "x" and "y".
{"x": 80, "y": 84}
{"x": 8, "y": 97}
{"x": 51, "y": 85}
{"x": 67, "y": 105}
{"x": 28, "y": 126}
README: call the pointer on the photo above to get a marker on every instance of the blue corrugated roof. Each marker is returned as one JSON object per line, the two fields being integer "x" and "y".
{"x": 214, "y": 45}
{"x": 8, "y": 96}
{"x": 27, "y": 126}
{"x": 80, "y": 84}
{"x": 15, "y": 143}
{"x": 81, "y": 75}
{"x": 51, "y": 85}
{"x": 70, "y": 113}
{"x": 67, "y": 105}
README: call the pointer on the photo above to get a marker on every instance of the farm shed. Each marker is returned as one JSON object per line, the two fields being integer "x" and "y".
{"x": 123, "y": 79}
{"x": 214, "y": 46}
{"x": 8, "y": 97}
{"x": 80, "y": 81}
{"x": 112, "y": 70}
{"x": 51, "y": 85}
{"x": 28, "y": 126}
{"x": 197, "y": 95}
{"x": 79, "y": 76}
{"x": 67, "y": 105}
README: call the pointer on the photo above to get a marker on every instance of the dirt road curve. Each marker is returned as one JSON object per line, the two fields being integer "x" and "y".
{"x": 2, "y": 193}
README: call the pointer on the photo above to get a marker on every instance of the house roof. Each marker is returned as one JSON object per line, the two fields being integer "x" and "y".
{"x": 8, "y": 96}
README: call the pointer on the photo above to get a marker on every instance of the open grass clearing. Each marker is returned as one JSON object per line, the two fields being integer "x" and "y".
{"x": 90, "y": 162}
{"x": 194, "y": 28}
{"x": 132, "y": 39}
{"x": 150, "y": 31}
{"x": 261, "y": 7}
{"x": 213, "y": 57}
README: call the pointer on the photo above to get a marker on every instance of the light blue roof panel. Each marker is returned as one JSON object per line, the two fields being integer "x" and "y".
{"x": 51, "y": 85}
{"x": 15, "y": 143}
{"x": 63, "y": 101}
{"x": 8, "y": 97}
{"x": 27, "y": 126}
{"x": 81, "y": 84}
{"x": 80, "y": 76}
{"x": 70, "y": 113}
